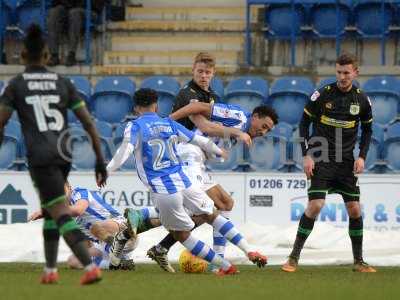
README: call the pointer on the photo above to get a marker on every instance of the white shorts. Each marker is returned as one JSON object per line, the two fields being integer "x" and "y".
{"x": 199, "y": 177}
{"x": 175, "y": 209}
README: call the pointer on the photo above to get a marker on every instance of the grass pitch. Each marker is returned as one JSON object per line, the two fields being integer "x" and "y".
{"x": 20, "y": 281}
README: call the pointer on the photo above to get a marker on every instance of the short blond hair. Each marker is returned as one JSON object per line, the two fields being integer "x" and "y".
{"x": 204, "y": 57}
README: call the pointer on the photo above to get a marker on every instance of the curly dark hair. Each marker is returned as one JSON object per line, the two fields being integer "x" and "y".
{"x": 34, "y": 43}
{"x": 266, "y": 111}
{"x": 145, "y": 97}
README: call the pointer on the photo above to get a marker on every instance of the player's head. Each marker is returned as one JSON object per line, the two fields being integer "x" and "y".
{"x": 34, "y": 50}
{"x": 67, "y": 189}
{"x": 145, "y": 100}
{"x": 203, "y": 69}
{"x": 263, "y": 119}
{"x": 346, "y": 71}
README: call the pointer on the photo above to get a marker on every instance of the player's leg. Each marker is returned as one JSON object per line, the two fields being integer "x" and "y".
{"x": 107, "y": 229}
{"x": 50, "y": 182}
{"x": 348, "y": 187}
{"x": 320, "y": 185}
{"x": 198, "y": 203}
{"x": 224, "y": 203}
{"x": 174, "y": 218}
{"x": 74, "y": 263}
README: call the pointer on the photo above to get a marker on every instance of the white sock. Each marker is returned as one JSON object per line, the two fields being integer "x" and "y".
{"x": 50, "y": 270}
{"x": 150, "y": 213}
{"x": 200, "y": 249}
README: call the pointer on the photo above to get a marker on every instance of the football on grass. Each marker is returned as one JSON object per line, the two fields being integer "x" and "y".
{"x": 188, "y": 263}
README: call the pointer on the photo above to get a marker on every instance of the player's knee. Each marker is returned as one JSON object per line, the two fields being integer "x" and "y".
{"x": 180, "y": 236}
{"x": 228, "y": 205}
{"x": 354, "y": 210}
{"x": 314, "y": 207}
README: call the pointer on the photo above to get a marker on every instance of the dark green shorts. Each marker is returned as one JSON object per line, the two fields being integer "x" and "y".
{"x": 49, "y": 182}
{"x": 334, "y": 178}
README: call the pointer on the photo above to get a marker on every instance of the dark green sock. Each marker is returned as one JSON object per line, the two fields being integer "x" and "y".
{"x": 74, "y": 238}
{"x": 306, "y": 225}
{"x": 356, "y": 236}
{"x": 51, "y": 237}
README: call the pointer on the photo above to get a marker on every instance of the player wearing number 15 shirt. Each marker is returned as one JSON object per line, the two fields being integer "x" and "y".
{"x": 41, "y": 99}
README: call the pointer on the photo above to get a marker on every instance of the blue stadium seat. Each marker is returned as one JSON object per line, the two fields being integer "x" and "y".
{"x": 282, "y": 129}
{"x": 10, "y": 147}
{"x": 392, "y": 147}
{"x": 106, "y": 134}
{"x": 83, "y": 86}
{"x": 112, "y": 98}
{"x": 234, "y": 161}
{"x": 280, "y": 21}
{"x": 332, "y": 79}
{"x": 29, "y": 12}
{"x": 368, "y": 17}
{"x": 289, "y": 96}
{"x": 324, "y": 17}
{"x": 248, "y": 92}
{"x": 129, "y": 165}
{"x": 268, "y": 153}
{"x": 84, "y": 89}
{"x": 7, "y": 14}
{"x": 218, "y": 87}
{"x": 83, "y": 157}
{"x": 384, "y": 92}
{"x": 167, "y": 89}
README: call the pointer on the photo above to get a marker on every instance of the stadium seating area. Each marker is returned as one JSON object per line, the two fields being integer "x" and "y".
{"x": 331, "y": 19}
{"x": 110, "y": 103}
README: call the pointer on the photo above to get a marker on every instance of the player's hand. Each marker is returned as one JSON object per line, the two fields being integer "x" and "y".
{"x": 359, "y": 165}
{"x": 35, "y": 216}
{"x": 245, "y": 138}
{"x": 224, "y": 154}
{"x": 308, "y": 165}
{"x": 101, "y": 174}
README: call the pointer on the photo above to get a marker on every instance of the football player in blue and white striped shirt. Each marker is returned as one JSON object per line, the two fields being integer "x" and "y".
{"x": 152, "y": 140}
{"x": 220, "y": 121}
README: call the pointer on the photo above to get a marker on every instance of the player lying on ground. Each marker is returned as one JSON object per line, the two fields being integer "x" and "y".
{"x": 41, "y": 99}
{"x": 152, "y": 140}
{"x": 220, "y": 121}
{"x": 98, "y": 220}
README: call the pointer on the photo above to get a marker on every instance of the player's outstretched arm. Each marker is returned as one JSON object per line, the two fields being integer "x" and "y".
{"x": 218, "y": 130}
{"x": 35, "y": 216}
{"x": 5, "y": 115}
{"x": 125, "y": 149}
{"x": 193, "y": 108}
{"x": 84, "y": 117}
{"x": 308, "y": 162}
{"x": 122, "y": 154}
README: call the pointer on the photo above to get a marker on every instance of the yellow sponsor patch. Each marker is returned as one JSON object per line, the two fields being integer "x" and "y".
{"x": 337, "y": 123}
